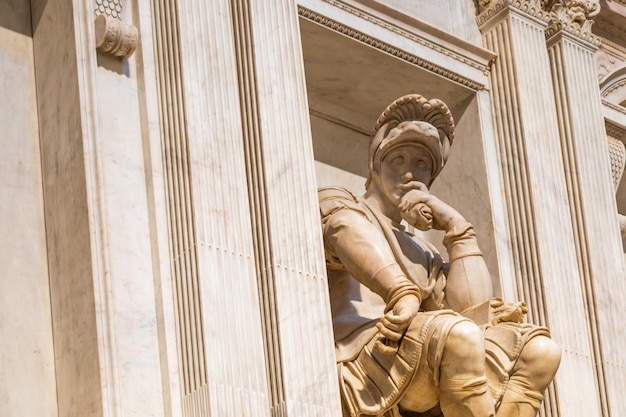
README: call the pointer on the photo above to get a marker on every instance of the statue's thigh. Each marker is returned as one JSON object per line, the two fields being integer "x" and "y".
{"x": 422, "y": 393}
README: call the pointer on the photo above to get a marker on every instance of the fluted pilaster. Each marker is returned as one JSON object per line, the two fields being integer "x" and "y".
{"x": 219, "y": 322}
{"x": 547, "y": 274}
{"x": 285, "y": 215}
{"x": 592, "y": 203}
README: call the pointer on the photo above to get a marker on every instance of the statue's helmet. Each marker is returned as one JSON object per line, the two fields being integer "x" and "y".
{"x": 412, "y": 119}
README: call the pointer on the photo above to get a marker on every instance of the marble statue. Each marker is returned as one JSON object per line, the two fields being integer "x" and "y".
{"x": 415, "y": 335}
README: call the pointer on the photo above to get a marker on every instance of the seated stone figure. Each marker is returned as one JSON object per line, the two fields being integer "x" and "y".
{"x": 402, "y": 347}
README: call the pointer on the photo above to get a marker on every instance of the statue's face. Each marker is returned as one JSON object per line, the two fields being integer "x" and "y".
{"x": 401, "y": 166}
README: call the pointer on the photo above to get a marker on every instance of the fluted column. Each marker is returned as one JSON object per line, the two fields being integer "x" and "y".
{"x": 546, "y": 270}
{"x": 593, "y": 210}
{"x": 283, "y": 203}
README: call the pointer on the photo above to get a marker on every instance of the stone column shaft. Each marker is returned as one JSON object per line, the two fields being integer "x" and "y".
{"x": 546, "y": 271}
{"x": 593, "y": 207}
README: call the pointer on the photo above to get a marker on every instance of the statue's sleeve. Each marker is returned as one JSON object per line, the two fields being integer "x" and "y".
{"x": 353, "y": 241}
{"x": 331, "y": 201}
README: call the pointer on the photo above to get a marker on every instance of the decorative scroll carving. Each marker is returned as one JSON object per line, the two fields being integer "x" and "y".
{"x": 575, "y": 17}
{"x": 115, "y": 37}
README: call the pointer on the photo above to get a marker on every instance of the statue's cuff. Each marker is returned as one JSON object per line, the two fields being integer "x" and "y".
{"x": 460, "y": 241}
{"x": 392, "y": 284}
{"x": 401, "y": 293}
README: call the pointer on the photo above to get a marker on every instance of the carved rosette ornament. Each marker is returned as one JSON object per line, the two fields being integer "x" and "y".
{"x": 113, "y": 36}
{"x": 575, "y": 17}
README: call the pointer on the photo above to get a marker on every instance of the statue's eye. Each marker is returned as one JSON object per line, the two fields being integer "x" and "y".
{"x": 421, "y": 164}
{"x": 398, "y": 160}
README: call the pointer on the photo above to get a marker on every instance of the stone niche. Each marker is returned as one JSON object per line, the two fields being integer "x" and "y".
{"x": 349, "y": 85}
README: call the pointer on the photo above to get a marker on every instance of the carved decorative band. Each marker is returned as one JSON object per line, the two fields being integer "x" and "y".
{"x": 614, "y": 106}
{"x": 574, "y": 29}
{"x": 491, "y": 9}
{"x": 618, "y": 85}
{"x": 392, "y": 50}
{"x": 615, "y": 131}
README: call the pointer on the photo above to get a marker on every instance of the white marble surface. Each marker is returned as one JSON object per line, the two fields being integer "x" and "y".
{"x": 97, "y": 218}
{"x": 27, "y": 373}
{"x": 449, "y": 15}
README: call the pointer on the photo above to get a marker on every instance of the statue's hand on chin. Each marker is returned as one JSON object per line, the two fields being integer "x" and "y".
{"x": 424, "y": 211}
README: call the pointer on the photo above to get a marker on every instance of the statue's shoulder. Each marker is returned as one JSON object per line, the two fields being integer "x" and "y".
{"x": 335, "y": 193}
{"x": 332, "y": 199}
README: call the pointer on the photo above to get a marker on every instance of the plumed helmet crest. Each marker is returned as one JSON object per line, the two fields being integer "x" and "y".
{"x": 413, "y": 119}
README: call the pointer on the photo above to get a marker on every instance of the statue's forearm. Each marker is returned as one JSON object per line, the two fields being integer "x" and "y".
{"x": 469, "y": 282}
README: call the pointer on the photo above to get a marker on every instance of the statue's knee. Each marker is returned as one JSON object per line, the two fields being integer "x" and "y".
{"x": 467, "y": 334}
{"x": 539, "y": 360}
{"x": 465, "y": 344}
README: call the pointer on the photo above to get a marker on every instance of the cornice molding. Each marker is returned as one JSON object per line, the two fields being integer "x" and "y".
{"x": 610, "y": 31}
{"x": 406, "y": 34}
{"x": 392, "y": 50}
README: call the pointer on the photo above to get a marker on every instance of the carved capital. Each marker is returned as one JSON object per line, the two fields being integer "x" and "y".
{"x": 115, "y": 37}
{"x": 488, "y": 9}
{"x": 574, "y": 17}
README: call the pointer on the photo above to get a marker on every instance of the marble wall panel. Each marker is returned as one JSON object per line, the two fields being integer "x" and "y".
{"x": 27, "y": 378}
{"x": 99, "y": 243}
